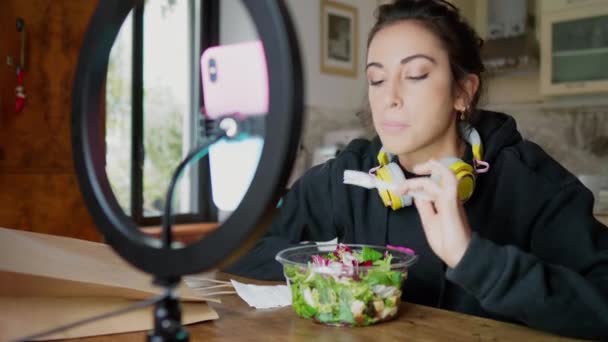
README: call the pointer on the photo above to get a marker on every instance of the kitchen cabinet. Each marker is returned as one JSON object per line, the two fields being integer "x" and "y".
{"x": 574, "y": 47}
{"x": 561, "y": 5}
{"x": 508, "y": 30}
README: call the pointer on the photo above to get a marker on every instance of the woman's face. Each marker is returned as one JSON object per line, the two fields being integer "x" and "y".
{"x": 410, "y": 87}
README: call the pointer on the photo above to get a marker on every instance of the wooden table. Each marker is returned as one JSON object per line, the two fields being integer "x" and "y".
{"x": 239, "y": 322}
{"x": 186, "y": 233}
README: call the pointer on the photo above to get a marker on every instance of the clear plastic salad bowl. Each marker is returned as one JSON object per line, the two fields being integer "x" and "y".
{"x": 346, "y": 284}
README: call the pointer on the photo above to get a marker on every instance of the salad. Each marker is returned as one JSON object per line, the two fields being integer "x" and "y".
{"x": 347, "y": 287}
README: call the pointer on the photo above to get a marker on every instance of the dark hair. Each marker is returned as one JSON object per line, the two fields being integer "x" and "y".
{"x": 458, "y": 37}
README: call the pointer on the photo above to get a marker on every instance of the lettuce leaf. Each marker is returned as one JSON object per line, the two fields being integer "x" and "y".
{"x": 299, "y": 303}
{"x": 369, "y": 254}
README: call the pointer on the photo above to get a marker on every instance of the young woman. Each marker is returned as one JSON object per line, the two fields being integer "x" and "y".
{"x": 517, "y": 243}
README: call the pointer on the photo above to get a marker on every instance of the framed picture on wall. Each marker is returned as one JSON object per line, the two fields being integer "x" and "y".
{"x": 339, "y": 38}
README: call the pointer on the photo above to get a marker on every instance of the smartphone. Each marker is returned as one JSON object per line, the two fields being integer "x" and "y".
{"x": 235, "y": 82}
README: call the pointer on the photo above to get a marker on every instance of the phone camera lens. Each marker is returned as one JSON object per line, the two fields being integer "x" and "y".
{"x": 212, "y": 70}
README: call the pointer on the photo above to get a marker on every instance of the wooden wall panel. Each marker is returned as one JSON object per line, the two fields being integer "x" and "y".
{"x": 8, "y": 47}
{"x": 38, "y": 187}
{"x": 46, "y": 204}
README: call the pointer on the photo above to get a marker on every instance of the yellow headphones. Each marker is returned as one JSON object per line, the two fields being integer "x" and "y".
{"x": 390, "y": 172}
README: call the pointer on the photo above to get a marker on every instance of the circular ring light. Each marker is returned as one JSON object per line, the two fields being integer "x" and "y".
{"x": 283, "y": 127}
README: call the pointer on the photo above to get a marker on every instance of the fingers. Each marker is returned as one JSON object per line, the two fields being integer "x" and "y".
{"x": 423, "y": 168}
{"x": 442, "y": 184}
{"x": 437, "y": 170}
{"x": 421, "y": 184}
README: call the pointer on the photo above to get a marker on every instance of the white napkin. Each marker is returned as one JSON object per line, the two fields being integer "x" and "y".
{"x": 263, "y": 296}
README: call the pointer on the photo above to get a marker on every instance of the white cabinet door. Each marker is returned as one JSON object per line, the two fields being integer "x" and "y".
{"x": 560, "y": 5}
{"x": 574, "y": 51}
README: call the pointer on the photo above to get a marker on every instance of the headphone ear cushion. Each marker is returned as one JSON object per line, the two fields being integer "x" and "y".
{"x": 466, "y": 185}
{"x": 465, "y": 174}
{"x": 391, "y": 173}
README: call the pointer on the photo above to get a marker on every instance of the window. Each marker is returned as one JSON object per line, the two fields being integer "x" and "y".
{"x": 153, "y": 98}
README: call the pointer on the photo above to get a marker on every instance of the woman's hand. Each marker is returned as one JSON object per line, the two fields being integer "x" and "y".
{"x": 443, "y": 217}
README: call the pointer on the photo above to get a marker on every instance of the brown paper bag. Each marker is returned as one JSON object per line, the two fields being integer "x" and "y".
{"x": 24, "y": 316}
{"x": 46, "y": 281}
{"x": 40, "y": 264}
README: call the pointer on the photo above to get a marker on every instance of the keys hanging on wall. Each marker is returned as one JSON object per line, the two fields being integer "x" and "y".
{"x": 20, "y": 89}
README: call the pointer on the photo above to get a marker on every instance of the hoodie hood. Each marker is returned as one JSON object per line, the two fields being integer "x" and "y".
{"x": 497, "y": 131}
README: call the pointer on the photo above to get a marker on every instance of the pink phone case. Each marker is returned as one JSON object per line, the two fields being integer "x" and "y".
{"x": 235, "y": 80}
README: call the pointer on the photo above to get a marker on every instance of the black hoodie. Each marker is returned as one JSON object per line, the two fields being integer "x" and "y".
{"x": 537, "y": 257}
